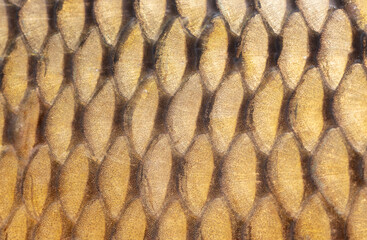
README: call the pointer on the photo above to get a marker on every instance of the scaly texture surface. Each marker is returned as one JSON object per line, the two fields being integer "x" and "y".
{"x": 183, "y": 119}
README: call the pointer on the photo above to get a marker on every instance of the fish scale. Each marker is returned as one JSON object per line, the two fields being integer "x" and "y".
{"x": 183, "y": 119}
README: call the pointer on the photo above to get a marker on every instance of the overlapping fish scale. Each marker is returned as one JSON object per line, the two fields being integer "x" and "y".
{"x": 133, "y": 119}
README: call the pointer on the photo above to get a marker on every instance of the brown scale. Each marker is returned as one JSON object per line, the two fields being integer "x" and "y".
{"x": 120, "y": 111}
